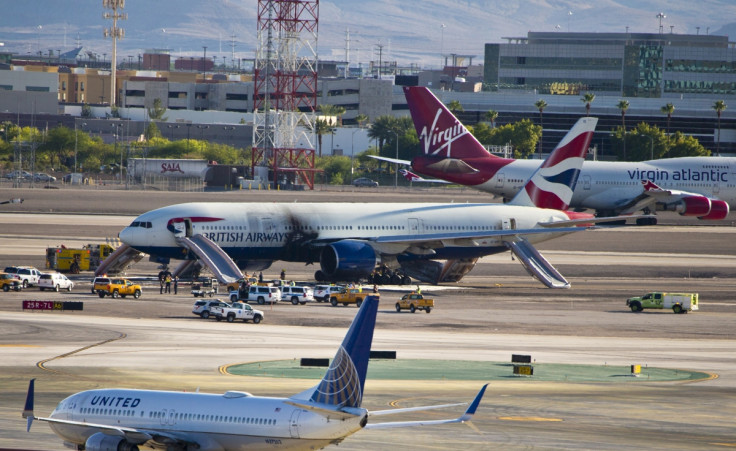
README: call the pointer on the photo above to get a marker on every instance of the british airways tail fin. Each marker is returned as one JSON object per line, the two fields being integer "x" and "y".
{"x": 342, "y": 385}
{"x": 439, "y": 131}
{"x": 552, "y": 185}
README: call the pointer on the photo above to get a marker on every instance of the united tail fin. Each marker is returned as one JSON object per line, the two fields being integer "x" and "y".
{"x": 552, "y": 185}
{"x": 342, "y": 385}
{"x": 439, "y": 131}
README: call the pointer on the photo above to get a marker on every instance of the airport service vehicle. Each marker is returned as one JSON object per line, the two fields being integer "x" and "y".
{"x": 28, "y": 275}
{"x": 678, "y": 302}
{"x": 262, "y": 294}
{"x": 54, "y": 281}
{"x": 323, "y": 415}
{"x": 297, "y": 294}
{"x": 237, "y": 310}
{"x": 74, "y": 260}
{"x": 701, "y": 187}
{"x": 117, "y": 287}
{"x": 203, "y": 309}
{"x": 205, "y": 287}
{"x": 10, "y": 282}
{"x": 322, "y": 293}
{"x": 414, "y": 302}
{"x": 349, "y": 296}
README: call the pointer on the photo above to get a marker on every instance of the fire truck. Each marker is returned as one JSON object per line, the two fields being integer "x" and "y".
{"x": 74, "y": 260}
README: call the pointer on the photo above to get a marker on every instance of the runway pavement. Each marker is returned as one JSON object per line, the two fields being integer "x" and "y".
{"x": 495, "y": 311}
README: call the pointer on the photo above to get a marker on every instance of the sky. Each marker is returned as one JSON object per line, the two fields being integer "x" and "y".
{"x": 410, "y": 31}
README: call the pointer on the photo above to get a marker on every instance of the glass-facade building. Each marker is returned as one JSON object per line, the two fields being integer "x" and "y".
{"x": 616, "y": 64}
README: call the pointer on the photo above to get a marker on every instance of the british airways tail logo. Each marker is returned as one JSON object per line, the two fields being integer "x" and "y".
{"x": 436, "y": 140}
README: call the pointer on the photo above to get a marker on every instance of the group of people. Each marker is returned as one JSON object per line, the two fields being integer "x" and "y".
{"x": 165, "y": 279}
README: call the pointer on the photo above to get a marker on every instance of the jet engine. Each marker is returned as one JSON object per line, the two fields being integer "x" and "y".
{"x": 104, "y": 442}
{"x": 694, "y": 206}
{"x": 718, "y": 210}
{"x": 347, "y": 260}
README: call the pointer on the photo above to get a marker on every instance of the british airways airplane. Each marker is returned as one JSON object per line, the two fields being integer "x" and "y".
{"x": 122, "y": 419}
{"x": 430, "y": 242}
{"x": 702, "y": 187}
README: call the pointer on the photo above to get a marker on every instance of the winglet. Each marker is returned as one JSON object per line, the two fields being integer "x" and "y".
{"x": 343, "y": 383}
{"x": 474, "y": 405}
{"x": 28, "y": 409}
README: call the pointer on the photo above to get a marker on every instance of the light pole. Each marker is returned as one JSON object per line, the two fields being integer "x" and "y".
{"x": 651, "y": 146}
{"x": 396, "y": 174}
{"x": 352, "y": 153}
{"x": 117, "y": 133}
{"x": 76, "y": 141}
{"x": 442, "y": 45}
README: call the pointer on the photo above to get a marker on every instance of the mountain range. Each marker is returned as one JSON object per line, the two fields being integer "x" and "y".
{"x": 409, "y": 31}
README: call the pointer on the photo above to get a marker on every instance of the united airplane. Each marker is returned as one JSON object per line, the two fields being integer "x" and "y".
{"x": 702, "y": 187}
{"x": 122, "y": 419}
{"x": 429, "y": 242}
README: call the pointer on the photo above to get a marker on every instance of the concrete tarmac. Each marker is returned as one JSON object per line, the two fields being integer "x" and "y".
{"x": 497, "y": 310}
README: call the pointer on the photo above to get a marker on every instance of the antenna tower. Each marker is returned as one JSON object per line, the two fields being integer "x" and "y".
{"x": 115, "y": 33}
{"x": 285, "y": 88}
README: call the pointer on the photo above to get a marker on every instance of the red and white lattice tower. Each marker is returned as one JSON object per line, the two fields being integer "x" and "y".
{"x": 285, "y": 87}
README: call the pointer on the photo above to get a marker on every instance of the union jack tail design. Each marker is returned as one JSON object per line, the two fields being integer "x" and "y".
{"x": 552, "y": 185}
{"x": 439, "y": 131}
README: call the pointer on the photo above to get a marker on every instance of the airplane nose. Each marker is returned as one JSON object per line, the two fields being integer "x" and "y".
{"x": 126, "y": 236}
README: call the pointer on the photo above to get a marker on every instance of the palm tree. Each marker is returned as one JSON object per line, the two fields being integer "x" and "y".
{"x": 361, "y": 119}
{"x": 454, "y": 106}
{"x": 719, "y": 106}
{"x": 382, "y": 130}
{"x": 541, "y": 105}
{"x": 491, "y": 116}
{"x": 623, "y": 105}
{"x": 322, "y": 127}
{"x": 587, "y": 99}
{"x": 333, "y": 110}
{"x": 668, "y": 109}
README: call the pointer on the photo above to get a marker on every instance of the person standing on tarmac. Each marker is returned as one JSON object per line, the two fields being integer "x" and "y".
{"x": 168, "y": 283}
{"x": 176, "y": 284}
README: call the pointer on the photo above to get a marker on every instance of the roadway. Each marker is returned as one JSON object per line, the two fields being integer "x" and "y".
{"x": 494, "y": 312}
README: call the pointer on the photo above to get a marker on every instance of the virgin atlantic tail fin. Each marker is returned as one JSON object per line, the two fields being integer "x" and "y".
{"x": 552, "y": 185}
{"x": 439, "y": 131}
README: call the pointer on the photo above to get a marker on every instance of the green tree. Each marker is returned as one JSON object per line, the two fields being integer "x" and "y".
{"x": 157, "y": 112}
{"x": 668, "y": 109}
{"x": 491, "y": 116}
{"x": 682, "y": 145}
{"x": 86, "y": 111}
{"x": 333, "y": 110}
{"x": 336, "y": 168}
{"x": 522, "y": 135}
{"x": 541, "y": 105}
{"x": 361, "y": 119}
{"x": 152, "y": 131}
{"x": 623, "y": 105}
{"x": 719, "y": 106}
{"x": 587, "y": 99}
{"x": 455, "y": 107}
{"x": 322, "y": 127}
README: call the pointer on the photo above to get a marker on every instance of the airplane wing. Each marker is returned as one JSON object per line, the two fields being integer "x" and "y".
{"x": 683, "y": 202}
{"x": 467, "y": 416}
{"x": 391, "y": 160}
{"x": 586, "y": 221}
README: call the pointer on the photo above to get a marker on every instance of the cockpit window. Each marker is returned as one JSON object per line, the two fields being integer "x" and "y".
{"x": 135, "y": 224}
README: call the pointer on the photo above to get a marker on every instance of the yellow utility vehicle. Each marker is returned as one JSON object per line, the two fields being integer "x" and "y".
{"x": 413, "y": 302}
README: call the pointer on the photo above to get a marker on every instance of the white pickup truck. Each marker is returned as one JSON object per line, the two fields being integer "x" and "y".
{"x": 237, "y": 310}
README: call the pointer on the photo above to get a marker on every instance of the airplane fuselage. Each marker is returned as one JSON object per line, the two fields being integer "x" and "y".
{"x": 606, "y": 186}
{"x": 232, "y": 421}
{"x": 292, "y": 232}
